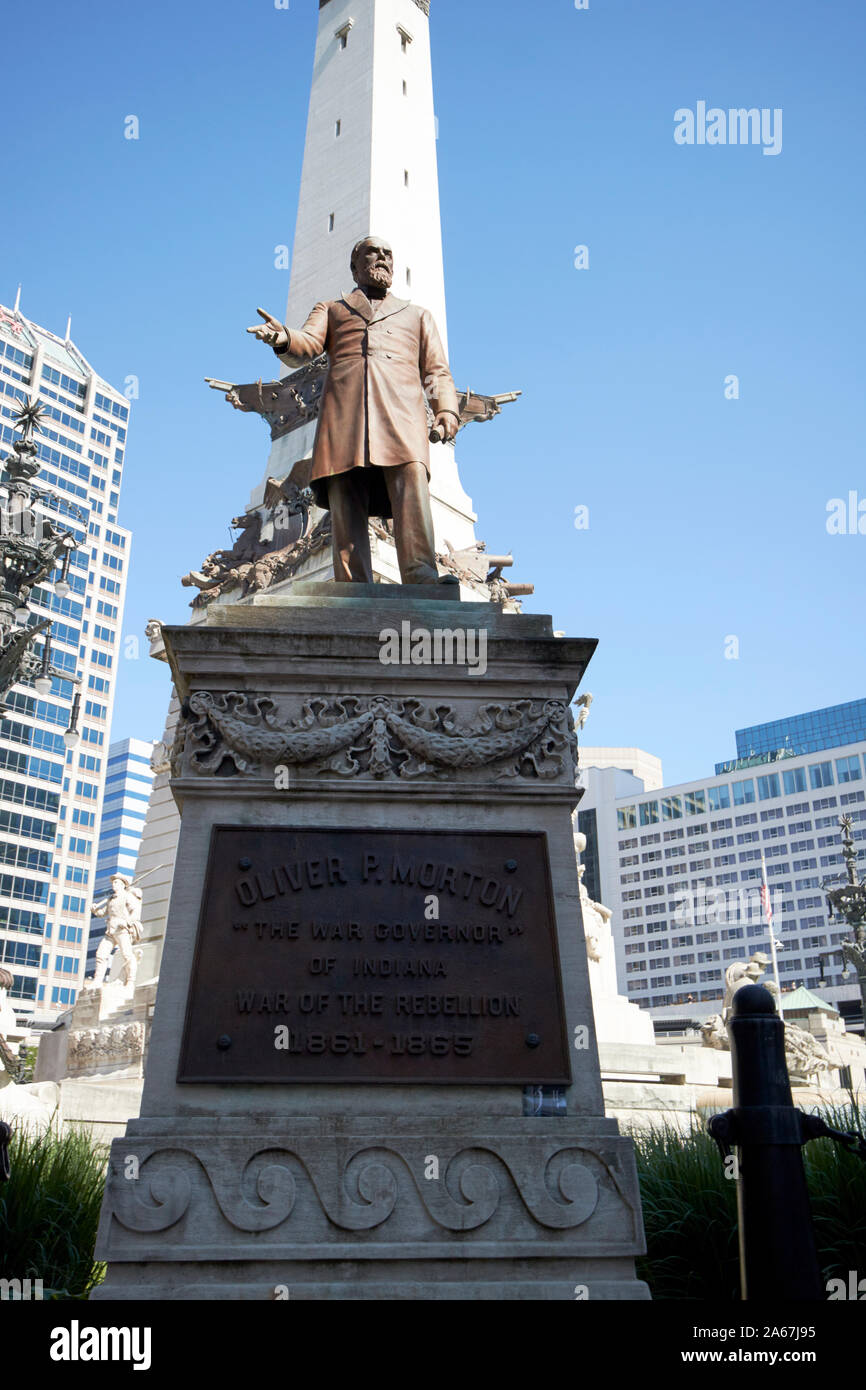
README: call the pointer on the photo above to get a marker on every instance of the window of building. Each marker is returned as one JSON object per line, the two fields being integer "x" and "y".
{"x": 649, "y": 813}
{"x": 626, "y": 818}
{"x": 720, "y": 798}
{"x": 794, "y": 781}
{"x": 848, "y": 769}
{"x": 744, "y": 792}
{"x": 672, "y": 808}
{"x": 338, "y": 129}
{"x": 769, "y": 786}
{"x": 696, "y": 803}
{"x": 821, "y": 775}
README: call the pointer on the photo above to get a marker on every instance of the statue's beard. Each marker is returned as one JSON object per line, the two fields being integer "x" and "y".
{"x": 378, "y": 278}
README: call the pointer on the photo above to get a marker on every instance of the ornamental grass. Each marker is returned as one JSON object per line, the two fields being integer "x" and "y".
{"x": 690, "y": 1209}
{"x": 49, "y": 1210}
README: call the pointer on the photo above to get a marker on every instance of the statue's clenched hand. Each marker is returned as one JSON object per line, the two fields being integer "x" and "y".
{"x": 271, "y": 332}
{"x": 447, "y": 424}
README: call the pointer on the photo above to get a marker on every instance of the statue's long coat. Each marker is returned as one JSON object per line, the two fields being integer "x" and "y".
{"x": 384, "y": 355}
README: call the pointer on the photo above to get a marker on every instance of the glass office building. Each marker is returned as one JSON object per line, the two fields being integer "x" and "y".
{"x": 51, "y": 796}
{"x": 804, "y": 733}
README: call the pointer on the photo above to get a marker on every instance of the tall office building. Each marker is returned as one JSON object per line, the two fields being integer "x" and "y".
{"x": 681, "y": 867}
{"x": 128, "y": 783}
{"x": 51, "y": 795}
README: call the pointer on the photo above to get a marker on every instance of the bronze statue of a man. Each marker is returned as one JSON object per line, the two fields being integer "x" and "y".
{"x": 372, "y": 453}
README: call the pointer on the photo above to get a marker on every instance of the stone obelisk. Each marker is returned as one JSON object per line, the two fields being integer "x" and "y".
{"x": 370, "y": 165}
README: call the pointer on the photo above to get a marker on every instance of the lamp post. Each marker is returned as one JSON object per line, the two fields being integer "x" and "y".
{"x": 31, "y": 545}
{"x": 848, "y": 903}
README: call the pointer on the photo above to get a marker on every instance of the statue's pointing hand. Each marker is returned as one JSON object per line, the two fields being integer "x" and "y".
{"x": 271, "y": 332}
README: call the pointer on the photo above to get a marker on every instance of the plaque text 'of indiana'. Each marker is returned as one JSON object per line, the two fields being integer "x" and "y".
{"x": 376, "y": 956}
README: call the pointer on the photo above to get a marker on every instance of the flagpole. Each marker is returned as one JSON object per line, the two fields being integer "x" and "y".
{"x": 768, "y": 913}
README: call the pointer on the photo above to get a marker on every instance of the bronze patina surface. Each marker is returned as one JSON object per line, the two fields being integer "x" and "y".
{"x": 376, "y": 956}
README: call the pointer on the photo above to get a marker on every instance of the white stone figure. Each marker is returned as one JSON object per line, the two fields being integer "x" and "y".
{"x": 160, "y": 758}
{"x": 584, "y": 703}
{"x": 804, "y": 1055}
{"x": 742, "y": 973}
{"x": 596, "y": 917}
{"x": 595, "y": 921}
{"x": 122, "y": 913}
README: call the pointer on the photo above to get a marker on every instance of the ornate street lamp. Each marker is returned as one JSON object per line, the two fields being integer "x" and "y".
{"x": 31, "y": 545}
{"x": 848, "y": 903}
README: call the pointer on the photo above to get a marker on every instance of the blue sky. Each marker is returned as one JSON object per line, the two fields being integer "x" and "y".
{"x": 706, "y": 515}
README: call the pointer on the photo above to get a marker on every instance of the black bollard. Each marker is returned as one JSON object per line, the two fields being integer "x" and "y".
{"x": 778, "y": 1258}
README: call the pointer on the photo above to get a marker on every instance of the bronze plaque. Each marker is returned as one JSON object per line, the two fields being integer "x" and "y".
{"x": 376, "y": 956}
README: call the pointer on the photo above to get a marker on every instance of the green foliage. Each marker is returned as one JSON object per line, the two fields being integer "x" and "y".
{"x": 690, "y": 1215}
{"x": 49, "y": 1211}
{"x": 690, "y": 1209}
{"x": 837, "y": 1188}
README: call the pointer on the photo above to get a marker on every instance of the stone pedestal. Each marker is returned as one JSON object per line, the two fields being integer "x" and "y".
{"x": 412, "y": 1186}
